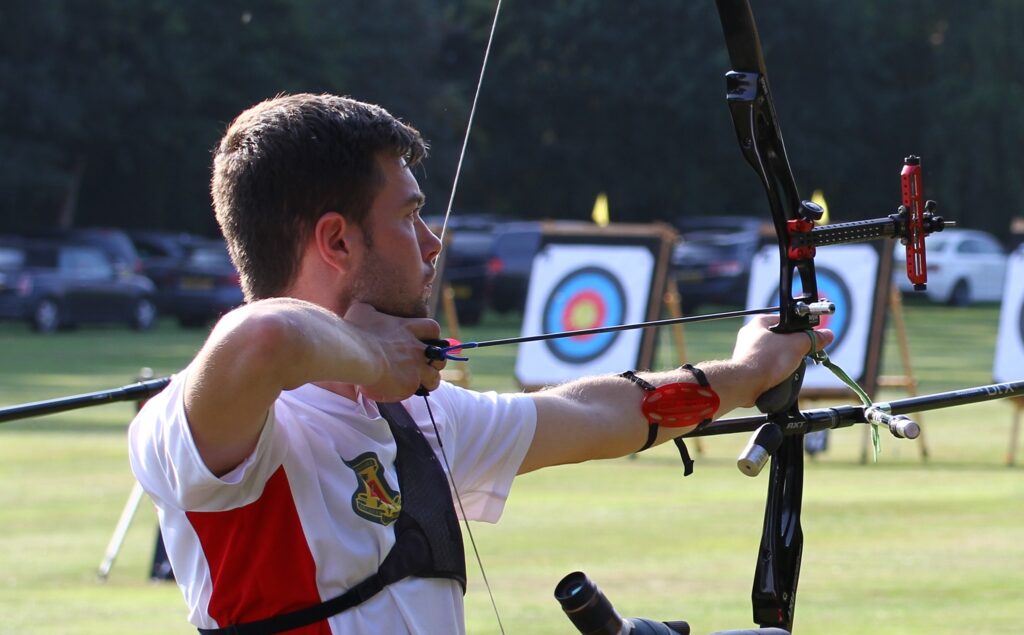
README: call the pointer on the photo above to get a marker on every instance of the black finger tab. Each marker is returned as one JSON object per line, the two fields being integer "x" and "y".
{"x": 434, "y": 350}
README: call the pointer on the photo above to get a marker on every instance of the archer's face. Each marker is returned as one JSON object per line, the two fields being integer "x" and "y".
{"x": 395, "y": 268}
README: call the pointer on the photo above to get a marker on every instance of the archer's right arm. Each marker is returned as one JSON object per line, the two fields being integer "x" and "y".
{"x": 278, "y": 344}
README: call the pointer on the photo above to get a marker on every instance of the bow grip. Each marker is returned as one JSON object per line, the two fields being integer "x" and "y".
{"x": 781, "y": 397}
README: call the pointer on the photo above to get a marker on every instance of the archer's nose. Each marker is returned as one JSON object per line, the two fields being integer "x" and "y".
{"x": 430, "y": 244}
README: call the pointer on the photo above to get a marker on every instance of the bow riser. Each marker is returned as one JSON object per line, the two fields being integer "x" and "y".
{"x": 757, "y": 130}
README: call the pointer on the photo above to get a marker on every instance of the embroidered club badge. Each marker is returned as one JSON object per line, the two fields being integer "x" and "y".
{"x": 374, "y": 500}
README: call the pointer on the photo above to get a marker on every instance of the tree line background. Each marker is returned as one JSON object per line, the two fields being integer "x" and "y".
{"x": 110, "y": 108}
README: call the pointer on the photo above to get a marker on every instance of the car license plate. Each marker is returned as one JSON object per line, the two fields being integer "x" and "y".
{"x": 196, "y": 284}
{"x": 462, "y": 291}
{"x": 691, "y": 275}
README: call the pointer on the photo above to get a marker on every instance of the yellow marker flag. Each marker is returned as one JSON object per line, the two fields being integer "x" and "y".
{"x": 600, "y": 213}
{"x": 819, "y": 198}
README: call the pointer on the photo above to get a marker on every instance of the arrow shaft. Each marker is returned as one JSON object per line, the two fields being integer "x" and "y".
{"x": 611, "y": 329}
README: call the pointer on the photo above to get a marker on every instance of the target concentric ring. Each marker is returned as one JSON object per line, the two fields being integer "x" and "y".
{"x": 588, "y": 297}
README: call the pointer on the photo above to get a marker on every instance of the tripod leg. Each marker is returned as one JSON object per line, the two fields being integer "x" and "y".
{"x": 1011, "y": 453}
{"x": 114, "y": 546}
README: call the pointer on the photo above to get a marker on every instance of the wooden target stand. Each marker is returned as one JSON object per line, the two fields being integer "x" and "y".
{"x": 906, "y": 381}
{"x": 455, "y": 372}
{"x": 673, "y": 304}
{"x": 1010, "y": 336}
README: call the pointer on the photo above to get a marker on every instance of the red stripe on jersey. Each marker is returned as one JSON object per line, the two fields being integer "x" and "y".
{"x": 259, "y": 561}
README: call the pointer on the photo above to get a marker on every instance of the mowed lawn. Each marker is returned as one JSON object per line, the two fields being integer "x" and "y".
{"x": 901, "y": 546}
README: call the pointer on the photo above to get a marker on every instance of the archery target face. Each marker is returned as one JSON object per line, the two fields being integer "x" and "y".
{"x": 585, "y": 298}
{"x": 575, "y": 287}
{"x": 1009, "y": 359}
{"x": 846, "y": 275}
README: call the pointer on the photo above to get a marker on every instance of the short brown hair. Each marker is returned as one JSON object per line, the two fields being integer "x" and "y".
{"x": 284, "y": 163}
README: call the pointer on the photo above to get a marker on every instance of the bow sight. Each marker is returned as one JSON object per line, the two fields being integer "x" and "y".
{"x": 913, "y": 221}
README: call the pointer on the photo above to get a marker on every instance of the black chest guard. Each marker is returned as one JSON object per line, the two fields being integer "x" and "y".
{"x": 428, "y": 541}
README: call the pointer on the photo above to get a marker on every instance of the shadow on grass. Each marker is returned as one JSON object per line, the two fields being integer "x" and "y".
{"x": 903, "y": 465}
{"x": 65, "y": 425}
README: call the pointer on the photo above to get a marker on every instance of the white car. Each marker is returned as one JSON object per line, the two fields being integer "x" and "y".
{"x": 964, "y": 266}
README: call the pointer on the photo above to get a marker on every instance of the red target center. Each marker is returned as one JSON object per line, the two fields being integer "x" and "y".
{"x": 586, "y": 310}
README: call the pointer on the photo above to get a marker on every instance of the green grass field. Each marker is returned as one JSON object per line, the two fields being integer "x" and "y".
{"x": 900, "y": 546}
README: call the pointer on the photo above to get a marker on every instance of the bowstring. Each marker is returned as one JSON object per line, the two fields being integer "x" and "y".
{"x": 462, "y": 512}
{"x": 469, "y": 124}
{"x": 444, "y": 229}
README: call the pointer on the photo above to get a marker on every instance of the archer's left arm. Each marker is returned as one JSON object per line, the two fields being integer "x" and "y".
{"x": 600, "y": 417}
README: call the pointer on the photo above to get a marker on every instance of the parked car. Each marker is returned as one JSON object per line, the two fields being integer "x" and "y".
{"x": 115, "y": 243}
{"x": 56, "y": 285}
{"x": 711, "y": 262}
{"x": 194, "y": 277}
{"x": 511, "y": 262}
{"x": 964, "y": 266}
{"x": 465, "y": 270}
{"x": 469, "y": 242}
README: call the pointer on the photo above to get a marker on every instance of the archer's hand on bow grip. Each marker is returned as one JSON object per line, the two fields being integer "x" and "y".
{"x": 782, "y": 397}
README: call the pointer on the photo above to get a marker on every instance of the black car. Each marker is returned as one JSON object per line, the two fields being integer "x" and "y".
{"x": 469, "y": 240}
{"x": 53, "y": 284}
{"x": 194, "y": 277}
{"x": 114, "y": 242}
{"x": 465, "y": 271}
{"x": 711, "y": 262}
{"x": 508, "y": 269}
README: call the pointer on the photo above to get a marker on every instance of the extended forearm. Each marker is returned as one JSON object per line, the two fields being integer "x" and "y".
{"x": 600, "y": 417}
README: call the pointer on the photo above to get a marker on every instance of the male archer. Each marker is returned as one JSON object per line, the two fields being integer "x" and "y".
{"x": 296, "y": 472}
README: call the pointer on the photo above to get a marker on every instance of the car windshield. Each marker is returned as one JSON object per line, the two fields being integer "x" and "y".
{"x": 715, "y": 237}
{"x": 470, "y": 244}
{"x": 213, "y": 256}
{"x": 11, "y": 258}
{"x": 718, "y": 231}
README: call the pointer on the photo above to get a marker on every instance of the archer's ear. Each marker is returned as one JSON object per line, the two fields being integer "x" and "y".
{"x": 333, "y": 237}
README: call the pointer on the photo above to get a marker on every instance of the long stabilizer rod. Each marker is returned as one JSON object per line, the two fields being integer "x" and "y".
{"x": 842, "y": 416}
{"x": 132, "y": 392}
